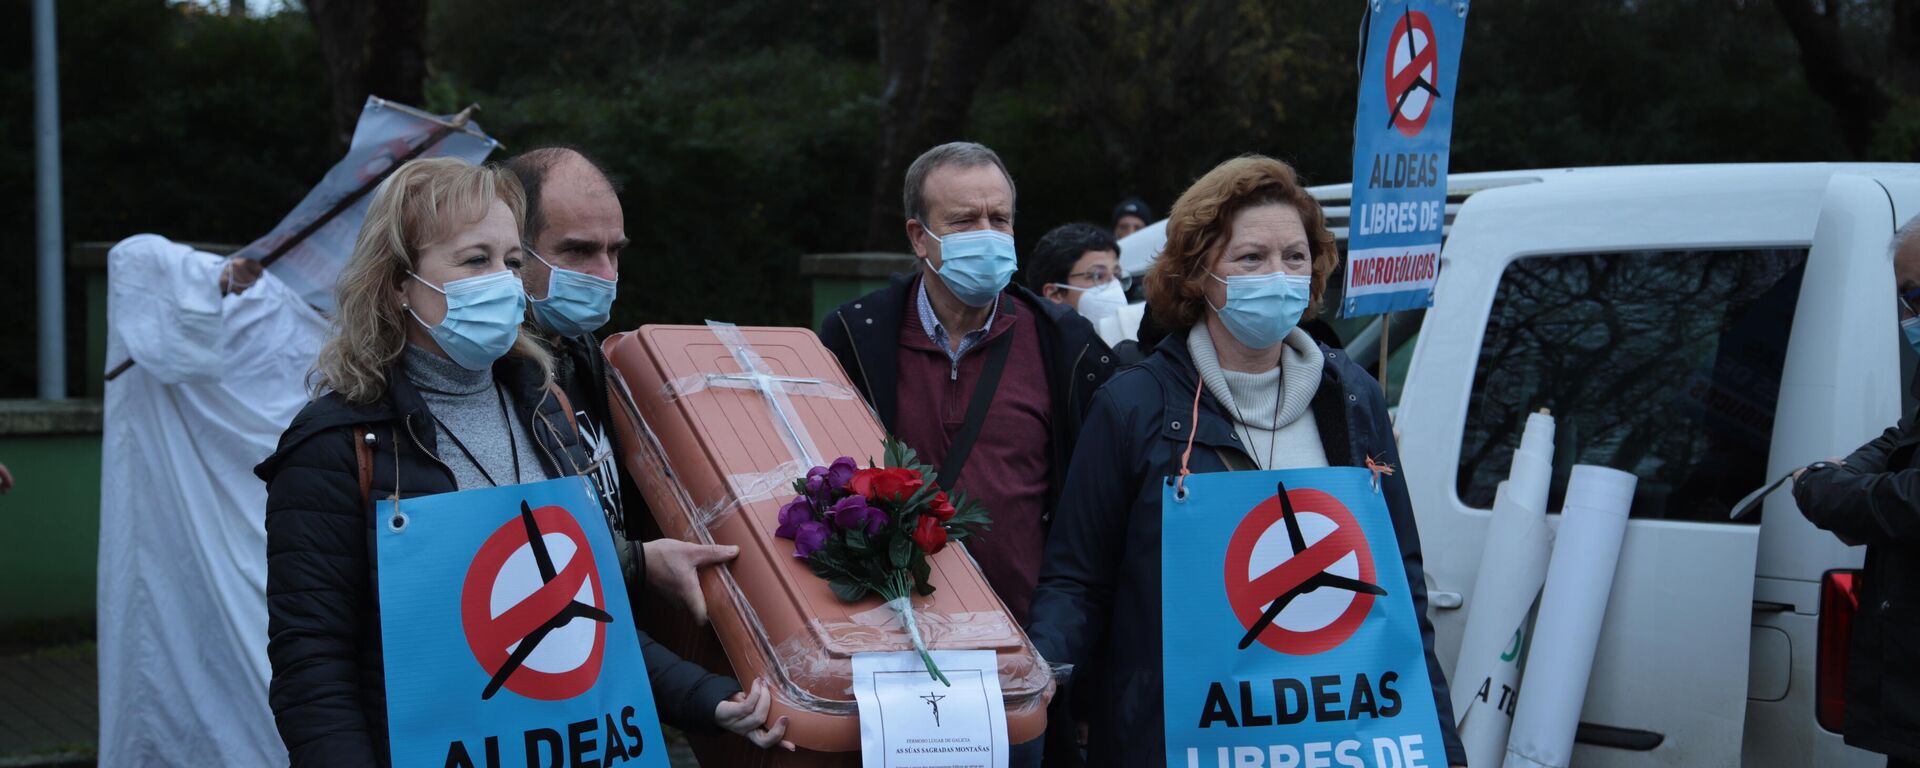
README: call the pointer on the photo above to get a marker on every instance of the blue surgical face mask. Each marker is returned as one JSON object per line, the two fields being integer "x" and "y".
{"x": 976, "y": 264}
{"x": 483, "y": 318}
{"x": 1910, "y": 327}
{"x": 576, "y": 304}
{"x": 1262, "y": 309}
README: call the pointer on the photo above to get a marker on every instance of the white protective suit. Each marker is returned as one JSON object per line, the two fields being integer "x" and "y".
{"x": 183, "y": 551}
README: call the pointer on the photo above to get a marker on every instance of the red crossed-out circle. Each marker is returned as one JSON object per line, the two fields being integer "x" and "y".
{"x": 491, "y": 637}
{"x": 1425, "y": 63}
{"x": 1249, "y": 594}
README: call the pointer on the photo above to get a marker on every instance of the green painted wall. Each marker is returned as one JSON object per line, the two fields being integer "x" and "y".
{"x": 837, "y": 278}
{"x": 52, "y": 516}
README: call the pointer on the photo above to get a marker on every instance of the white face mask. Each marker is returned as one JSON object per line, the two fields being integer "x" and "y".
{"x": 1099, "y": 301}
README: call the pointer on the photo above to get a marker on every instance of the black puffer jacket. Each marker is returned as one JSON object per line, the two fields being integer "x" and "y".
{"x": 328, "y": 691}
{"x": 1874, "y": 499}
{"x": 1099, "y": 597}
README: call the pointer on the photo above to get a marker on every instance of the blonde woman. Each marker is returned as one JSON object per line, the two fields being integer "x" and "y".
{"x": 425, "y": 355}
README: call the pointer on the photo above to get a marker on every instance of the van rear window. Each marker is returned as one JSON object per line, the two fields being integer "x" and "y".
{"x": 1665, "y": 364}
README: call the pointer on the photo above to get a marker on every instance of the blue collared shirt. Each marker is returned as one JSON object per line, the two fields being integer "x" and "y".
{"x": 938, "y": 333}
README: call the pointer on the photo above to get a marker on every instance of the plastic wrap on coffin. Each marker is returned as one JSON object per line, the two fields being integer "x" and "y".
{"x": 714, "y": 449}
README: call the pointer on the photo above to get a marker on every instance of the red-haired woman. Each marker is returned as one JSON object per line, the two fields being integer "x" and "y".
{"x": 1248, "y": 254}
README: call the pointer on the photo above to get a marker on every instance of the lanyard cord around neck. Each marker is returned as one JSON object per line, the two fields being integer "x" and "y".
{"x": 1273, "y": 436}
{"x": 513, "y": 444}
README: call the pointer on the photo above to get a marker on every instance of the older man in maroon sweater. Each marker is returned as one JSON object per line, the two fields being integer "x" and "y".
{"x": 986, "y": 380}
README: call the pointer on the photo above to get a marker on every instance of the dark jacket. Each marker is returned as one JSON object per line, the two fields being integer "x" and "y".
{"x": 580, "y": 368}
{"x": 323, "y": 625}
{"x": 1874, "y": 499}
{"x": 865, "y": 335}
{"x": 1099, "y": 594}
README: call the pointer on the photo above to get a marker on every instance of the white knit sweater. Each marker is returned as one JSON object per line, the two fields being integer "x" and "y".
{"x": 1257, "y": 403}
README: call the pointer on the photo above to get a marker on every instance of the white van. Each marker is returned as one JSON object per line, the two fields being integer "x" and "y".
{"x": 1708, "y": 328}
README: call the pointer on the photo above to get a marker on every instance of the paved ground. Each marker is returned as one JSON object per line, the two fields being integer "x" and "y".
{"x": 49, "y": 708}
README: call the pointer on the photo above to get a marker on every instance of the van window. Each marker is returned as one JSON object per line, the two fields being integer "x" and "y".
{"x": 1665, "y": 364}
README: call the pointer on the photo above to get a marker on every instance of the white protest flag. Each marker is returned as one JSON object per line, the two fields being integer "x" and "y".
{"x": 1513, "y": 567}
{"x": 386, "y": 132}
{"x": 1593, "y": 526}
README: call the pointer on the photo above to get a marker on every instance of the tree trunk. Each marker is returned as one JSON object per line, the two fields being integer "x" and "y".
{"x": 1857, "y": 99}
{"x": 371, "y": 48}
{"x": 1903, "y": 47}
{"x": 237, "y": 8}
{"x": 934, "y": 54}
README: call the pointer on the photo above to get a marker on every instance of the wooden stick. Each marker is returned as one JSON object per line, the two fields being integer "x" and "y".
{"x": 458, "y": 123}
{"x": 1386, "y": 321}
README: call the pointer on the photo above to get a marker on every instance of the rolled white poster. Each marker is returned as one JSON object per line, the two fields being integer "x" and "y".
{"x": 1513, "y": 567}
{"x": 1592, "y": 526}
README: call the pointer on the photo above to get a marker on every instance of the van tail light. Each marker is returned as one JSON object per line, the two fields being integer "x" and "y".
{"x": 1839, "y": 601}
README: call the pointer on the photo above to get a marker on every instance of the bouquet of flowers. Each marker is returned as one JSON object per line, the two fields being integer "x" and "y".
{"x": 871, "y": 530}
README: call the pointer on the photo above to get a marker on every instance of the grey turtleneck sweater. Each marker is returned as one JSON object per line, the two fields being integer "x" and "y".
{"x": 467, "y": 404}
{"x": 1257, "y": 403}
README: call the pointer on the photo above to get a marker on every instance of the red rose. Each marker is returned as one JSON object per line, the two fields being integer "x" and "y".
{"x": 863, "y": 482}
{"x": 930, "y": 535}
{"x": 895, "y": 484}
{"x": 941, "y": 508}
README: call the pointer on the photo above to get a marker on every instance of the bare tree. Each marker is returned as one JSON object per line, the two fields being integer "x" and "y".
{"x": 371, "y": 47}
{"x": 934, "y": 53}
{"x": 1859, "y": 98}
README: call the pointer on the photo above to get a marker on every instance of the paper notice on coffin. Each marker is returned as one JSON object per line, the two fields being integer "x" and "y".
{"x": 910, "y": 720}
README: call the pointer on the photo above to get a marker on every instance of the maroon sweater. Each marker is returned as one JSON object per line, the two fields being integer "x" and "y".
{"x": 1007, "y": 470}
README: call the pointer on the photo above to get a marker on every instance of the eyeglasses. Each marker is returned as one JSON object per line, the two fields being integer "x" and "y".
{"x": 1100, "y": 275}
{"x": 1908, "y": 300}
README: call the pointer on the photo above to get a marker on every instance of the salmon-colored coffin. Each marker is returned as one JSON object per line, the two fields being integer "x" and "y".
{"x": 776, "y": 620}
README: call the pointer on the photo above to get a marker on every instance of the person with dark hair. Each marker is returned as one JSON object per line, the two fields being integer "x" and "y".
{"x": 1079, "y": 265}
{"x": 1130, "y": 216}
{"x": 1235, "y": 387}
{"x": 574, "y": 231}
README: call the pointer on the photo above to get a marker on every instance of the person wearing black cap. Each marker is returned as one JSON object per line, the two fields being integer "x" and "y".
{"x": 1130, "y": 216}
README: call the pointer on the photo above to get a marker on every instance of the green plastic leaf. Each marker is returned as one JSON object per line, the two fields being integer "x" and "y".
{"x": 922, "y": 574}
{"x": 847, "y": 590}
{"x": 900, "y": 550}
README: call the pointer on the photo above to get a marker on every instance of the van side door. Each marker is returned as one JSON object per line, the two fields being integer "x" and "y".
{"x": 1652, "y": 319}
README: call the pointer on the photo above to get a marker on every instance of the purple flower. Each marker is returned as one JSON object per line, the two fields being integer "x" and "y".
{"x": 809, "y": 538}
{"x": 841, "y": 472}
{"x": 793, "y": 515}
{"x": 817, "y": 485}
{"x": 854, "y": 514}
{"x": 822, "y": 482}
